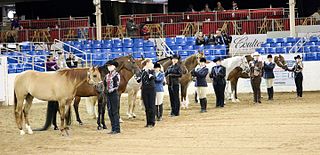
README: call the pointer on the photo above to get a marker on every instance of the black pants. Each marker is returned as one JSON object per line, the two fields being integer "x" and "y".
{"x": 255, "y": 84}
{"x": 113, "y": 110}
{"x": 149, "y": 99}
{"x": 174, "y": 99}
{"x": 219, "y": 91}
{"x": 298, "y": 80}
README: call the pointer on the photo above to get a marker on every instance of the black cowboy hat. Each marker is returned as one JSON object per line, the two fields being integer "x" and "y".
{"x": 203, "y": 60}
{"x": 175, "y": 56}
{"x": 217, "y": 59}
{"x": 112, "y": 62}
{"x": 297, "y": 57}
{"x": 269, "y": 56}
{"x": 156, "y": 65}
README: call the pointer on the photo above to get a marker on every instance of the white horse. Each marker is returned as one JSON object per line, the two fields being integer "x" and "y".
{"x": 230, "y": 64}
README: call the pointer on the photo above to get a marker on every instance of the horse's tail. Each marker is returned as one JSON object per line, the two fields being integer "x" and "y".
{"x": 49, "y": 117}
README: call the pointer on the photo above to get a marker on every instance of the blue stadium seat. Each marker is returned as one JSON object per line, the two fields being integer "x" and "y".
{"x": 116, "y": 50}
{"x": 310, "y": 44}
{"x": 97, "y": 42}
{"x": 150, "y": 54}
{"x": 88, "y": 50}
{"x": 138, "y": 42}
{"x": 287, "y": 44}
{"x": 210, "y": 57}
{"x": 271, "y": 50}
{"x": 190, "y": 39}
{"x": 170, "y": 41}
{"x": 270, "y": 40}
{"x": 187, "y": 47}
{"x": 96, "y": 50}
{"x": 97, "y": 45}
{"x": 318, "y": 56}
{"x": 310, "y": 56}
{"x": 106, "y": 50}
{"x": 106, "y": 43}
{"x": 220, "y": 47}
{"x": 280, "y": 40}
{"x": 138, "y": 49}
{"x": 207, "y": 52}
{"x": 127, "y": 50}
{"x": 87, "y": 46}
{"x": 318, "y": 43}
{"x": 27, "y": 47}
{"x": 176, "y": 48}
{"x": 127, "y": 42}
{"x": 138, "y": 54}
{"x": 209, "y": 47}
{"x": 12, "y": 60}
{"x": 306, "y": 49}
{"x": 221, "y": 52}
{"x": 291, "y": 40}
{"x": 180, "y": 41}
{"x": 281, "y": 50}
{"x": 149, "y": 49}
{"x": 198, "y": 47}
{"x": 191, "y": 52}
{"x": 117, "y": 55}
{"x": 148, "y": 43}
{"x": 314, "y": 39}
{"x": 183, "y": 53}
{"x": 11, "y": 68}
{"x": 117, "y": 43}
{"x": 265, "y": 45}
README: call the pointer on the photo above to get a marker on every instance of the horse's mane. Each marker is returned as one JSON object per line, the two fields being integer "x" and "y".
{"x": 190, "y": 60}
{"x": 74, "y": 74}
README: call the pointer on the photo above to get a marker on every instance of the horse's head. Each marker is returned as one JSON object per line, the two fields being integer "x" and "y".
{"x": 280, "y": 61}
{"x": 128, "y": 63}
{"x": 244, "y": 65}
{"x": 94, "y": 76}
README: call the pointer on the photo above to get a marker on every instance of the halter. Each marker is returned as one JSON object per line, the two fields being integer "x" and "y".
{"x": 243, "y": 62}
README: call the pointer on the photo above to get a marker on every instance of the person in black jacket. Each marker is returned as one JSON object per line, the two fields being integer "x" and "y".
{"x": 201, "y": 73}
{"x": 174, "y": 72}
{"x": 148, "y": 91}
{"x": 111, "y": 84}
{"x": 269, "y": 75}
{"x": 218, "y": 74}
{"x": 298, "y": 77}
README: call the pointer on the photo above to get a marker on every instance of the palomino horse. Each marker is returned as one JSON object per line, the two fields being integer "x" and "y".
{"x": 237, "y": 73}
{"x": 32, "y": 84}
{"x": 86, "y": 90}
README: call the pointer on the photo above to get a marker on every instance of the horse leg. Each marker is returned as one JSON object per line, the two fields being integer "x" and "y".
{"x": 62, "y": 104}
{"x": 103, "y": 111}
{"x": 134, "y": 104}
{"x": 26, "y": 109}
{"x": 18, "y": 112}
{"x": 54, "y": 116}
{"x": 99, "y": 114}
{"x": 130, "y": 103}
{"x": 235, "y": 91}
{"x": 76, "y": 108}
{"x": 184, "y": 101}
{"x": 233, "y": 84}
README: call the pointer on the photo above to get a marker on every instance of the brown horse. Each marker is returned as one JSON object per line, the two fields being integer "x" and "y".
{"x": 32, "y": 84}
{"x": 127, "y": 67}
{"x": 237, "y": 73}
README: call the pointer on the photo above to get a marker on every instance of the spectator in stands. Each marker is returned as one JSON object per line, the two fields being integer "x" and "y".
{"x": 15, "y": 25}
{"x": 131, "y": 28}
{"x": 219, "y": 7}
{"x": 144, "y": 32}
{"x": 51, "y": 64}
{"x": 206, "y": 8}
{"x": 71, "y": 61}
{"x": 316, "y": 15}
{"x": 211, "y": 40}
{"x": 220, "y": 40}
{"x": 190, "y": 8}
{"x": 200, "y": 39}
{"x": 228, "y": 40}
{"x": 234, "y": 5}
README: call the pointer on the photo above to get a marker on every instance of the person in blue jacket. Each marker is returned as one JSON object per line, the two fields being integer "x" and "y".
{"x": 200, "y": 73}
{"x": 268, "y": 75}
{"x": 159, "y": 82}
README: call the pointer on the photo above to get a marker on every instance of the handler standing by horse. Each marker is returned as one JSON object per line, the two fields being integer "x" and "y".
{"x": 111, "y": 82}
{"x": 218, "y": 74}
{"x": 201, "y": 73}
{"x": 148, "y": 91}
{"x": 269, "y": 75}
{"x": 298, "y": 77}
{"x": 159, "y": 81}
{"x": 256, "y": 67}
{"x": 174, "y": 72}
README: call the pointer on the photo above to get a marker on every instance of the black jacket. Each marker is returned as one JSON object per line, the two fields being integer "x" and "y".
{"x": 200, "y": 74}
{"x": 174, "y": 72}
{"x": 147, "y": 78}
{"x": 218, "y": 77}
{"x": 268, "y": 70}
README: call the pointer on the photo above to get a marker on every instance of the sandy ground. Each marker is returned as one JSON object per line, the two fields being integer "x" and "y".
{"x": 284, "y": 126}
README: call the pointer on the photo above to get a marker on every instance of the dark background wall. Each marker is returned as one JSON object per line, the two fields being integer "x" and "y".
{"x": 305, "y": 7}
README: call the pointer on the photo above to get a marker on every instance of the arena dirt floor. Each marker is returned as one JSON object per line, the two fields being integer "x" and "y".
{"x": 284, "y": 126}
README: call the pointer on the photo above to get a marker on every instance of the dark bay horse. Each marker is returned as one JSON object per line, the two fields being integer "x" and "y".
{"x": 127, "y": 67}
{"x": 237, "y": 73}
{"x": 33, "y": 84}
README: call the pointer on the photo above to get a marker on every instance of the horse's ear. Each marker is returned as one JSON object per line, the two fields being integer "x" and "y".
{"x": 142, "y": 57}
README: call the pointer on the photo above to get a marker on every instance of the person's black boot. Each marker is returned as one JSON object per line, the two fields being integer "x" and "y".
{"x": 271, "y": 93}
{"x": 202, "y": 105}
{"x": 157, "y": 112}
{"x": 160, "y": 112}
{"x": 205, "y": 104}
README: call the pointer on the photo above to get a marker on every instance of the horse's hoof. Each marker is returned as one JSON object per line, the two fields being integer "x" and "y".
{"x": 134, "y": 115}
{"x": 99, "y": 128}
{"x": 233, "y": 101}
{"x": 55, "y": 128}
{"x": 237, "y": 100}
{"x": 22, "y": 132}
{"x": 120, "y": 120}
{"x": 30, "y": 132}
{"x": 104, "y": 127}
{"x": 80, "y": 123}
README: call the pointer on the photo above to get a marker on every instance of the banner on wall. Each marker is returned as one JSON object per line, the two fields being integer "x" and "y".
{"x": 247, "y": 41}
